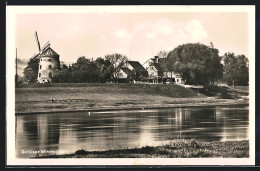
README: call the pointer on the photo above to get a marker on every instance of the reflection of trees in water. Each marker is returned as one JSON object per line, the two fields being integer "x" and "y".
{"x": 30, "y": 125}
{"x": 202, "y": 123}
{"x": 234, "y": 122}
{"x": 53, "y": 132}
{"x": 167, "y": 124}
{"x": 106, "y": 127}
{"x": 27, "y": 135}
{"x": 184, "y": 123}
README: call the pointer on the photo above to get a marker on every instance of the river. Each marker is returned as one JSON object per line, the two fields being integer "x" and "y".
{"x": 58, "y": 133}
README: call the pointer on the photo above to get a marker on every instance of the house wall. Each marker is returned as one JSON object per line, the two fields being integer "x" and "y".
{"x": 168, "y": 74}
{"x": 122, "y": 74}
{"x": 171, "y": 74}
{"x": 152, "y": 71}
{"x": 179, "y": 80}
{"x": 148, "y": 63}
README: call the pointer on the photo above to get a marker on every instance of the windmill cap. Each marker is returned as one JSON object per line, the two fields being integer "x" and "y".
{"x": 49, "y": 52}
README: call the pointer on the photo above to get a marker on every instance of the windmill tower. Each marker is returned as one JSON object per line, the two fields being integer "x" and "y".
{"x": 49, "y": 62}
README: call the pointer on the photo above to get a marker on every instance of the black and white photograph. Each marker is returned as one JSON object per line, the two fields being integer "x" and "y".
{"x": 130, "y": 85}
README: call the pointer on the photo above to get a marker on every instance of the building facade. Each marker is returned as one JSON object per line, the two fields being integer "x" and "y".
{"x": 159, "y": 74}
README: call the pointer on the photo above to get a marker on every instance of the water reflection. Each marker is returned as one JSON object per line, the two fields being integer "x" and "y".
{"x": 68, "y": 132}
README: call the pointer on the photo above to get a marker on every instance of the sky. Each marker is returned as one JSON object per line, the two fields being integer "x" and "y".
{"x": 139, "y": 36}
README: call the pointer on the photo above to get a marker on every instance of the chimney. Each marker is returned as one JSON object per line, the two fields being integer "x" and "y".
{"x": 156, "y": 59}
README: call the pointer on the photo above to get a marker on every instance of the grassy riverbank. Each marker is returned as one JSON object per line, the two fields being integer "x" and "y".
{"x": 176, "y": 149}
{"x": 36, "y": 98}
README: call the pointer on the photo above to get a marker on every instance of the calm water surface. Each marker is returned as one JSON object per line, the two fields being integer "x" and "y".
{"x": 68, "y": 132}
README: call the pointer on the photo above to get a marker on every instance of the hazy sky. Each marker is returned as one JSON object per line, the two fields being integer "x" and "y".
{"x": 139, "y": 36}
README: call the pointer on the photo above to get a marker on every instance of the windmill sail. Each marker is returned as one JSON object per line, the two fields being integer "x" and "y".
{"x": 46, "y": 46}
{"x": 33, "y": 57}
{"x": 37, "y": 40}
{"x": 39, "y": 47}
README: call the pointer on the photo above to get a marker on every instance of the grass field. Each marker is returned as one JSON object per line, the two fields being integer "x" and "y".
{"x": 34, "y": 98}
{"x": 176, "y": 149}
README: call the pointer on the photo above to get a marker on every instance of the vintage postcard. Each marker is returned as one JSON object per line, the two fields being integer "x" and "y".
{"x": 130, "y": 85}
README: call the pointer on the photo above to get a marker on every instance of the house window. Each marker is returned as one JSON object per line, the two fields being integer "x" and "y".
{"x": 50, "y": 67}
{"x": 49, "y": 59}
{"x": 41, "y": 59}
{"x": 39, "y": 74}
{"x": 40, "y": 67}
{"x": 50, "y": 75}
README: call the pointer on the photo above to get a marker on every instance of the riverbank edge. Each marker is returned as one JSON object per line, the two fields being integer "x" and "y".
{"x": 242, "y": 103}
{"x": 180, "y": 148}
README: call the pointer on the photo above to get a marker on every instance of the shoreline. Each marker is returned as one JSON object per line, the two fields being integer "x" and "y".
{"x": 190, "y": 105}
{"x": 179, "y": 148}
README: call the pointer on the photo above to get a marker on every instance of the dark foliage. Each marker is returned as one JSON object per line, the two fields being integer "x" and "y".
{"x": 85, "y": 70}
{"x": 81, "y": 152}
{"x": 236, "y": 70}
{"x": 31, "y": 71}
{"x": 197, "y": 63}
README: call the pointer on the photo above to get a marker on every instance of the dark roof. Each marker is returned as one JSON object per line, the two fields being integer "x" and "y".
{"x": 144, "y": 73}
{"x": 136, "y": 65}
{"x": 126, "y": 70}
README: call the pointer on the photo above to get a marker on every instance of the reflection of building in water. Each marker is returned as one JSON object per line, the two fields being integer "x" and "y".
{"x": 42, "y": 129}
{"x": 178, "y": 117}
{"x": 67, "y": 138}
{"x": 147, "y": 131}
{"x": 39, "y": 133}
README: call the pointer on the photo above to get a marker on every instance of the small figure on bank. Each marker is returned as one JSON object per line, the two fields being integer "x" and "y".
{"x": 52, "y": 99}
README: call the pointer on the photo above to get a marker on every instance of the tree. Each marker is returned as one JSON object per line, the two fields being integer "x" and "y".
{"x": 116, "y": 62}
{"x": 162, "y": 54}
{"x": 104, "y": 72}
{"x": 163, "y": 64}
{"x": 31, "y": 71}
{"x": 236, "y": 70}
{"x": 63, "y": 65}
{"x": 83, "y": 70}
{"x": 197, "y": 63}
{"x": 81, "y": 64}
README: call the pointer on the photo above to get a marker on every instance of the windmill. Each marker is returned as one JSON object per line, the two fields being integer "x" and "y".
{"x": 49, "y": 61}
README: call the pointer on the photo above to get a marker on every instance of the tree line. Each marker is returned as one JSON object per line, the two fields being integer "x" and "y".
{"x": 197, "y": 64}
{"x": 83, "y": 70}
{"x": 91, "y": 71}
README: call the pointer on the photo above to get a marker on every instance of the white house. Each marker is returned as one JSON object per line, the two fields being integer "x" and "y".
{"x": 157, "y": 73}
